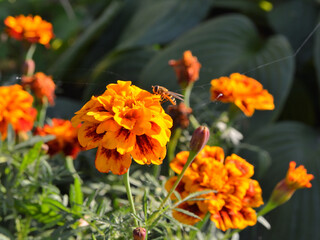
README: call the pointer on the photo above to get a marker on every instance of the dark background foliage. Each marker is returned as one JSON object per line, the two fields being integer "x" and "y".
{"x": 98, "y": 42}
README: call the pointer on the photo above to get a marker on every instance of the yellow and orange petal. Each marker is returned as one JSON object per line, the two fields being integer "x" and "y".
{"x": 230, "y": 219}
{"x": 29, "y": 28}
{"x": 124, "y": 120}
{"x": 297, "y": 177}
{"x": 65, "y": 137}
{"x": 42, "y": 85}
{"x": 245, "y": 92}
{"x": 235, "y": 193}
{"x": 16, "y": 109}
{"x": 187, "y": 69}
{"x": 238, "y": 167}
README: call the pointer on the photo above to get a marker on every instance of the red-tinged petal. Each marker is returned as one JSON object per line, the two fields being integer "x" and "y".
{"x": 122, "y": 139}
{"x": 88, "y": 137}
{"x": 111, "y": 160}
{"x": 147, "y": 150}
{"x": 187, "y": 219}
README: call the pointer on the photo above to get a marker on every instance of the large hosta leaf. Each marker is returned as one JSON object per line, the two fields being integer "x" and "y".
{"x": 229, "y": 44}
{"x": 317, "y": 56}
{"x": 161, "y": 21}
{"x": 300, "y": 19}
{"x": 285, "y": 142}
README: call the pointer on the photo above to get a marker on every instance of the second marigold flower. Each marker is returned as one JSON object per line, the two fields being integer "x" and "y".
{"x": 245, "y": 92}
{"x": 29, "y": 28}
{"x": 124, "y": 122}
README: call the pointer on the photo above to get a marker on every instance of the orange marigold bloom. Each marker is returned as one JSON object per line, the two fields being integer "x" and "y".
{"x": 187, "y": 69}
{"x": 66, "y": 140}
{"x": 235, "y": 196}
{"x": 29, "y": 28}
{"x": 16, "y": 109}
{"x": 245, "y": 92}
{"x": 124, "y": 122}
{"x": 296, "y": 178}
{"x": 42, "y": 86}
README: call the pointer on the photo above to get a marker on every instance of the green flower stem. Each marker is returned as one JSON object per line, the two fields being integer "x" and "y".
{"x": 172, "y": 145}
{"x": 233, "y": 112}
{"x": 42, "y": 112}
{"x": 129, "y": 194}
{"x": 71, "y": 168}
{"x": 31, "y": 51}
{"x": 267, "y": 208}
{"x": 194, "y": 121}
{"x": 192, "y": 155}
{"x": 187, "y": 93}
{"x": 157, "y": 213}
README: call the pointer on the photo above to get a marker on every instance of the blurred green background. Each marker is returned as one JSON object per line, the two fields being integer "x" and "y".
{"x": 276, "y": 42}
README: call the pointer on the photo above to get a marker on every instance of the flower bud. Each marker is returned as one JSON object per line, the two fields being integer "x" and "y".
{"x": 199, "y": 138}
{"x": 296, "y": 178}
{"x": 139, "y": 233}
{"x": 187, "y": 69}
{"x": 180, "y": 115}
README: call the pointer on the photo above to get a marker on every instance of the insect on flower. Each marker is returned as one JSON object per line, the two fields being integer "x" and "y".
{"x": 166, "y": 95}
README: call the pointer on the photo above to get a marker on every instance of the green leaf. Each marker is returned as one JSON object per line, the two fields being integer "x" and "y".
{"x": 224, "y": 45}
{"x": 118, "y": 65}
{"x": 291, "y": 141}
{"x": 301, "y": 18}
{"x": 69, "y": 56}
{"x": 316, "y": 54}
{"x": 30, "y": 157}
{"x": 5, "y": 234}
{"x": 76, "y": 196}
{"x": 33, "y": 140}
{"x": 161, "y": 21}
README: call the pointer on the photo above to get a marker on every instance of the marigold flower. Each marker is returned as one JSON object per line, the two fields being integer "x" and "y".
{"x": 42, "y": 86}
{"x": 66, "y": 140}
{"x": 29, "y": 28}
{"x": 187, "y": 69}
{"x": 235, "y": 196}
{"x": 245, "y": 92}
{"x": 16, "y": 109}
{"x": 124, "y": 122}
{"x": 296, "y": 178}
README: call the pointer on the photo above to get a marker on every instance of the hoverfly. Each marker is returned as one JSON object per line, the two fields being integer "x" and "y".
{"x": 166, "y": 95}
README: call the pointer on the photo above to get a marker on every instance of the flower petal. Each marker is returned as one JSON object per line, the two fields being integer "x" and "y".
{"x": 147, "y": 150}
{"x": 88, "y": 137}
{"x": 111, "y": 160}
{"x": 122, "y": 139}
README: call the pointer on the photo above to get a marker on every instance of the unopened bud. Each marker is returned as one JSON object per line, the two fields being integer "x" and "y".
{"x": 139, "y": 233}
{"x": 199, "y": 138}
{"x": 296, "y": 178}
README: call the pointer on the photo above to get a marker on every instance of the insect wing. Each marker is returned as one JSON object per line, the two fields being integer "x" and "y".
{"x": 176, "y": 95}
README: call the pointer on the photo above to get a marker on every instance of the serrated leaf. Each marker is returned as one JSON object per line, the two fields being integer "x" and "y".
{"x": 224, "y": 45}
{"x": 187, "y": 213}
{"x": 30, "y": 157}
